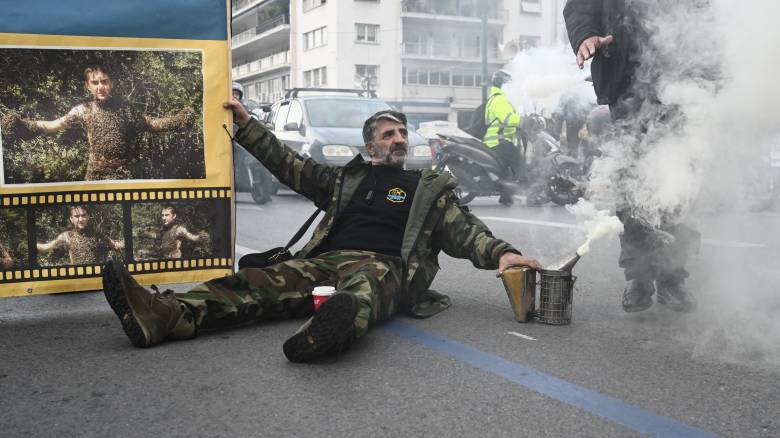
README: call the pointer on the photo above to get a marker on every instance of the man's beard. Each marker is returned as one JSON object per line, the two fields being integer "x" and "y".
{"x": 390, "y": 159}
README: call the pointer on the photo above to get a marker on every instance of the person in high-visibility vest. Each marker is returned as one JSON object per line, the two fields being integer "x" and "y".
{"x": 502, "y": 121}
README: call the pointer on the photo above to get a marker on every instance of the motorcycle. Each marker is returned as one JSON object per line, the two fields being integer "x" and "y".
{"x": 480, "y": 172}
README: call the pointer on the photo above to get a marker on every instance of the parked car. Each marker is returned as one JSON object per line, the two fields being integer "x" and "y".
{"x": 248, "y": 174}
{"x": 326, "y": 124}
{"x": 251, "y": 176}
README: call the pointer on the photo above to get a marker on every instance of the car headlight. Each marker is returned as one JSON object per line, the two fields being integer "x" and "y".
{"x": 337, "y": 150}
{"x": 422, "y": 150}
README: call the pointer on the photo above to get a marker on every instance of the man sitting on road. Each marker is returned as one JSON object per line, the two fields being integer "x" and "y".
{"x": 377, "y": 244}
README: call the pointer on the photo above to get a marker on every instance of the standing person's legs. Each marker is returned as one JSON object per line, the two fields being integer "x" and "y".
{"x": 638, "y": 249}
{"x": 369, "y": 287}
{"x": 650, "y": 256}
{"x": 671, "y": 262}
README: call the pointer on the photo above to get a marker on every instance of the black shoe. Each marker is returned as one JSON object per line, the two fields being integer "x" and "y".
{"x": 676, "y": 296}
{"x": 332, "y": 330}
{"x": 638, "y": 295}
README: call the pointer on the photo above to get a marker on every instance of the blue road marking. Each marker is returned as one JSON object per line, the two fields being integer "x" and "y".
{"x": 610, "y": 408}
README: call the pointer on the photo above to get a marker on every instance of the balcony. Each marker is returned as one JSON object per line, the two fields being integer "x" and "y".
{"x": 443, "y": 9}
{"x": 241, "y": 6}
{"x": 260, "y": 29}
{"x": 466, "y": 9}
{"x": 447, "y": 52}
{"x": 262, "y": 65}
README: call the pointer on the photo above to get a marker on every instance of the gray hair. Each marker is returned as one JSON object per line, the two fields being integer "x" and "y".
{"x": 369, "y": 127}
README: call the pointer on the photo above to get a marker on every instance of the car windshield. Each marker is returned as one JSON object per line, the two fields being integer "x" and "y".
{"x": 342, "y": 113}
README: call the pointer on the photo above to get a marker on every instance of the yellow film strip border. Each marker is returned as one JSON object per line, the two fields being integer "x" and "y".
{"x": 87, "y": 271}
{"x": 24, "y": 274}
{"x": 136, "y": 195}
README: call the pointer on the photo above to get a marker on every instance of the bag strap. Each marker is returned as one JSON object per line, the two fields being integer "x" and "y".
{"x": 302, "y": 230}
{"x": 487, "y": 103}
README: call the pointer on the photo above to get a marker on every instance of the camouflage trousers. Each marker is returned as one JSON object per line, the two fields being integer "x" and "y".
{"x": 283, "y": 291}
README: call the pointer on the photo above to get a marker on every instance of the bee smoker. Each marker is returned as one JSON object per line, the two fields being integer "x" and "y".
{"x": 555, "y": 293}
{"x": 520, "y": 285}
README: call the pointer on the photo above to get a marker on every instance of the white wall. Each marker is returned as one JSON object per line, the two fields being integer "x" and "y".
{"x": 385, "y": 53}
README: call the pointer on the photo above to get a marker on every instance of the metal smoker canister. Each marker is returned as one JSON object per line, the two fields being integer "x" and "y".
{"x": 555, "y": 296}
{"x": 520, "y": 285}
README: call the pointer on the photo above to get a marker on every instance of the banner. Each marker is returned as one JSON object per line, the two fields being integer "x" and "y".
{"x": 113, "y": 142}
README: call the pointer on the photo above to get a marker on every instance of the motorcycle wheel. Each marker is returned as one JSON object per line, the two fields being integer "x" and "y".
{"x": 465, "y": 198}
{"x": 563, "y": 187}
{"x": 455, "y": 167}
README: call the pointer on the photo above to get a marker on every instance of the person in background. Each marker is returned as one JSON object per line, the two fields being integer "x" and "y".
{"x": 612, "y": 34}
{"x": 502, "y": 121}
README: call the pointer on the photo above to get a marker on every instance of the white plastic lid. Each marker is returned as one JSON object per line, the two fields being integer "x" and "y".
{"x": 324, "y": 290}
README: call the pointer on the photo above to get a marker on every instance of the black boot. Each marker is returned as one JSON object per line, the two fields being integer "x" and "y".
{"x": 332, "y": 330}
{"x": 676, "y": 296}
{"x": 638, "y": 295}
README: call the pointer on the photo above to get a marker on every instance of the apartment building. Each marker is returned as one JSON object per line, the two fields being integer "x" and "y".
{"x": 423, "y": 56}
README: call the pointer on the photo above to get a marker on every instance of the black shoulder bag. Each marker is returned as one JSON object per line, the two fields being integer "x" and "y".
{"x": 275, "y": 255}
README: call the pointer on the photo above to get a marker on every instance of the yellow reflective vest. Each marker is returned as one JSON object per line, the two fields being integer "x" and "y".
{"x": 501, "y": 119}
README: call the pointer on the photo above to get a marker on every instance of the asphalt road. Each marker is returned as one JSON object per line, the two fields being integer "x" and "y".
{"x": 66, "y": 368}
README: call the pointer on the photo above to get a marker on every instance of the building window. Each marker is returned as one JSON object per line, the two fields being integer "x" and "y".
{"x": 311, "y": 4}
{"x": 315, "y": 38}
{"x": 411, "y": 77}
{"x": 457, "y": 79}
{"x": 367, "y": 33}
{"x": 317, "y": 77}
{"x": 531, "y": 7}
{"x": 525, "y": 42}
{"x": 368, "y": 75}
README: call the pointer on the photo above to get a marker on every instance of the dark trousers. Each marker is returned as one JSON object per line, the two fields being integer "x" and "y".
{"x": 510, "y": 157}
{"x": 651, "y": 253}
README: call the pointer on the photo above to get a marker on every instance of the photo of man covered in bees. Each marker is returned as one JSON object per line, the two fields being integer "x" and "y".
{"x": 79, "y": 234}
{"x": 165, "y": 231}
{"x": 13, "y": 238}
{"x": 87, "y": 115}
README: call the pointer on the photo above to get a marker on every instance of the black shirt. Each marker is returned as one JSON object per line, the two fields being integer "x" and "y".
{"x": 375, "y": 218}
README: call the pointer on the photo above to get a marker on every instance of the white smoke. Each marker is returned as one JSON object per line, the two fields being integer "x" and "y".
{"x": 719, "y": 67}
{"x": 597, "y": 223}
{"x": 701, "y": 169}
{"x": 540, "y": 76}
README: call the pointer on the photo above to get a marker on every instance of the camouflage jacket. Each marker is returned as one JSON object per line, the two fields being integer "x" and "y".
{"x": 436, "y": 221}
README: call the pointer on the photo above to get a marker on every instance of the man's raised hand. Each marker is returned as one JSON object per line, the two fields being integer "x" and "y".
{"x": 589, "y": 47}
{"x": 240, "y": 114}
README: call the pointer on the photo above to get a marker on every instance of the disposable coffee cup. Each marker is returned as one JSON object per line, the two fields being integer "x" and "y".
{"x": 321, "y": 294}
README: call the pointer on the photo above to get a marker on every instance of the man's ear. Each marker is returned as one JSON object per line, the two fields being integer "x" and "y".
{"x": 370, "y": 149}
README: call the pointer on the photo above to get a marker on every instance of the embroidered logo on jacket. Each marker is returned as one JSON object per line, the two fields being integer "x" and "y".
{"x": 396, "y": 195}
